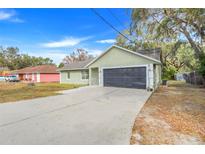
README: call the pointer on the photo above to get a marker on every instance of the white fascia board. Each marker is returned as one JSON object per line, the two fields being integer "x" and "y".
{"x": 72, "y": 69}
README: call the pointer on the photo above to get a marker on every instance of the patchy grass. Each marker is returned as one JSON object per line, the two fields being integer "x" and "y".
{"x": 173, "y": 115}
{"x": 10, "y": 92}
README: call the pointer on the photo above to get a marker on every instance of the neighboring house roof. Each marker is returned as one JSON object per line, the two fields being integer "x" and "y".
{"x": 126, "y": 50}
{"x": 46, "y": 69}
{"x": 14, "y": 72}
{"x": 76, "y": 65}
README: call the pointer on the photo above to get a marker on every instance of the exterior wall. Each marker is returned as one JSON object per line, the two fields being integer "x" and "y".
{"x": 26, "y": 77}
{"x": 35, "y": 77}
{"x": 94, "y": 76}
{"x": 158, "y": 75}
{"x": 38, "y": 77}
{"x": 119, "y": 58}
{"x": 43, "y": 77}
{"x": 49, "y": 77}
{"x": 20, "y": 76}
{"x": 75, "y": 77}
{"x": 150, "y": 76}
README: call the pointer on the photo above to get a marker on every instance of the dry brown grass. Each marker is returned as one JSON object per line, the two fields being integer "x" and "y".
{"x": 11, "y": 92}
{"x": 173, "y": 115}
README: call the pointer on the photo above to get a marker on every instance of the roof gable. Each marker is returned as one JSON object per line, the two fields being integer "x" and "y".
{"x": 126, "y": 50}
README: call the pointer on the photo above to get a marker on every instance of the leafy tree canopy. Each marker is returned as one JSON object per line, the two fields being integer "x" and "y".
{"x": 11, "y": 58}
{"x": 168, "y": 25}
{"x": 180, "y": 33}
{"x": 78, "y": 55}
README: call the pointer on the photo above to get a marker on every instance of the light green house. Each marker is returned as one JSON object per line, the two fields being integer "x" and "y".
{"x": 116, "y": 67}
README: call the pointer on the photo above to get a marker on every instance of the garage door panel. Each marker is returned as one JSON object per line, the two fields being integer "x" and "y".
{"x": 134, "y": 77}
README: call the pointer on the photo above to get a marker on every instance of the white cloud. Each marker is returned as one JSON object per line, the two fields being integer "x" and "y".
{"x": 17, "y": 20}
{"x": 56, "y": 55}
{"x": 107, "y": 41}
{"x": 94, "y": 52}
{"x": 9, "y": 15}
{"x": 67, "y": 42}
{"x": 5, "y": 15}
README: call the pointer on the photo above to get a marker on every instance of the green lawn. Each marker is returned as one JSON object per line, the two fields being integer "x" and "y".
{"x": 10, "y": 92}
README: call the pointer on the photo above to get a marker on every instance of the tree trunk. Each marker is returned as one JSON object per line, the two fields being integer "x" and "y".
{"x": 196, "y": 48}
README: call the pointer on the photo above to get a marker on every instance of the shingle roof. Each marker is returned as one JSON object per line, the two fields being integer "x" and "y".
{"x": 50, "y": 69}
{"x": 76, "y": 65}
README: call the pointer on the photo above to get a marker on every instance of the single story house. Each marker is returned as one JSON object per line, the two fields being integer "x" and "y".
{"x": 116, "y": 67}
{"x": 41, "y": 73}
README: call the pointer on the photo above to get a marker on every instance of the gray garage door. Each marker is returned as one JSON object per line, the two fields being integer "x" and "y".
{"x": 133, "y": 77}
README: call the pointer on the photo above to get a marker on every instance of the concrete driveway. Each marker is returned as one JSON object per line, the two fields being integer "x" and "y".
{"x": 88, "y": 115}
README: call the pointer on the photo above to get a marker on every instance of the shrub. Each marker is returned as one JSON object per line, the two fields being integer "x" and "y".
{"x": 168, "y": 73}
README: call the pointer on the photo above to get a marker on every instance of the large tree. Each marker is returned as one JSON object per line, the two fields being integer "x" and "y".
{"x": 78, "y": 55}
{"x": 178, "y": 32}
{"x": 11, "y": 58}
{"x": 166, "y": 25}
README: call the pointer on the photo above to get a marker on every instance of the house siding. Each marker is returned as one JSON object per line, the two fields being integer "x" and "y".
{"x": 49, "y": 77}
{"x": 43, "y": 77}
{"x": 157, "y": 75}
{"x": 119, "y": 58}
{"x": 27, "y": 77}
{"x": 75, "y": 77}
{"x": 94, "y": 77}
{"x": 115, "y": 58}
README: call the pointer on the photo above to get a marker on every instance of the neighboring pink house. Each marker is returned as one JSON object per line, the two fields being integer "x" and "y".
{"x": 41, "y": 73}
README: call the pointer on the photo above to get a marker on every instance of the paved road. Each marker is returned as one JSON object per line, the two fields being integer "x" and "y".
{"x": 88, "y": 115}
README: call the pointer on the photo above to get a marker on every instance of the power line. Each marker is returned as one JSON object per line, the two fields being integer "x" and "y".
{"x": 116, "y": 18}
{"x": 109, "y": 24}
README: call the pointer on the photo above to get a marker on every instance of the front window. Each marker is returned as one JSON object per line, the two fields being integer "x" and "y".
{"x": 85, "y": 74}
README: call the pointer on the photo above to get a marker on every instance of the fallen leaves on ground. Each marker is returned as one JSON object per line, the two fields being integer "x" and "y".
{"x": 173, "y": 115}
